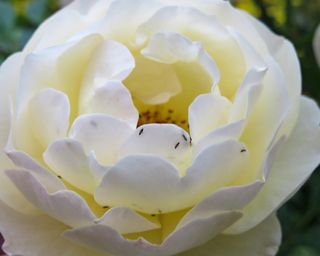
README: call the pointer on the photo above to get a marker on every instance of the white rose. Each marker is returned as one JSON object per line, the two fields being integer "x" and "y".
{"x": 224, "y": 136}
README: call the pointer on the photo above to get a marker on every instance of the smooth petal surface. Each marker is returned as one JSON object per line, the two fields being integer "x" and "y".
{"x": 263, "y": 240}
{"x": 36, "y": 235}
{"x": 198, "y": 26}
{"x": 265, "y": 118}
{"x": 152, "y": 185}
{"x": 101, "y": 134}
{"x": 296, "y": 160}
{"x": 67, "y": 158}
{"x": 74, "y": 18}
{"x": 284, "y": 53}
{"x": 47, "y": 179}
{"x": 65, "y": 205}
{"x": 230, "y": 131}
{"x": 225, "y": 199}
{"x": 50, "y": 108}
{"x": 107, "y": 240}
{"x": 126, "y": 221}
{"x": 9, "y": 80}
{"x": 57, "y": 67}
{"x": 163, "y": 140}
{"x": 109, "y": 61}
{"x": 227, "y": 15}
{"x": 170, "y": 48}
{"x": 113, "y": 99}
{"x": 206, "y": 114}
{"x": 137, "y": 12}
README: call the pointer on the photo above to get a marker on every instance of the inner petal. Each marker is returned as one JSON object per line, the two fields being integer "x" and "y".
{"x": 170, "y": 73}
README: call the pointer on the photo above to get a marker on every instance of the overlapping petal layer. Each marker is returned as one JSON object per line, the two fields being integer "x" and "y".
{"x": 150, "y": 128}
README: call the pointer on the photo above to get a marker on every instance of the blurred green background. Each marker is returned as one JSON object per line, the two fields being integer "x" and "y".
{"x": 295, "y": 19}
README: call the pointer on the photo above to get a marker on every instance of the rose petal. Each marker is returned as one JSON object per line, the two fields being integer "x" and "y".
{"x": 170, "y": 48}
{"x": 65, "y": 206}
{"x": 265, "y": 119}
{"x": 225, "y": 199}
{"x": 163, "y": 140}
{"x": 113, "y": 99}
{"x": 207, "y": 113}
{"x": 263, "y": 240}
{"x": 197, "y": 26}
{"x": 48, "y": 180}
{"x": 298, "y": 157}
{"x": 229, "y": 16}
{"x": 106, "y": 240}
{"x": 125, "y": 221}
{"x": 152, "y": 185}
{"x": 74, "y": 18}
{"x": 57, "y": 67}
{"x": 230, "y": 131}
{"x": 284, "y": 53}
{"x": 67, "y": 158}
{"x": 49, "y": 107}
{"x": 102, "y": 134}
{"x": 9, "y": 76}
{"x": 36, "y": 235}
{"x": 118, "y": 11}
{"x": 109, "y": 61}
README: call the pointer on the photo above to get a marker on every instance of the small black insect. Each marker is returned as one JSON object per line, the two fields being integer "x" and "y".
{"x": 184, "y": 137}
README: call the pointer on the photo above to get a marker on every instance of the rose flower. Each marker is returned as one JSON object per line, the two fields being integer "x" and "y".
{"x": 152, "y": 127}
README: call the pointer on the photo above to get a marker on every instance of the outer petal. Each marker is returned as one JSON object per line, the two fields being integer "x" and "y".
{"x": 296, "y": 160}
{"x": 265, "y": 119}
{"x": 74, "y": 18}
{"x": 57, "y": 67}
{"x": 50, "y": 108}
{"x": 67, "y": 158}
{"x": 107, "y": 240}
{"x": 284, "y": 53}
{"x": 9, "y": 75}
{"x": 64, "y": 205}
{"x": 227, "y": 15}
{"x": 47, "y": 179}
{"x": 152, "y": 185}
{"x": 263, "y": 240}
{"x": 102, "y": 134}
{"x": 36, "y": 235}
{"x": 119, "y": 11}
{"x": 225, "y": 199}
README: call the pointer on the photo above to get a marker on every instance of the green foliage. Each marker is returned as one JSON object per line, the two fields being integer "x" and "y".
{"x": 295, "y": 19}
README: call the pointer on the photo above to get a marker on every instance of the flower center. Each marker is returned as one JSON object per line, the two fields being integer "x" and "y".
{"x": 161, "y": 114}
{"x": 163, "y": 92}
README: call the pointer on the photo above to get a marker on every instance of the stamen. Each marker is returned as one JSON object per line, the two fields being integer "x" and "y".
{"x": 141, "y": 131}
{"x": 177, "y": 145}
